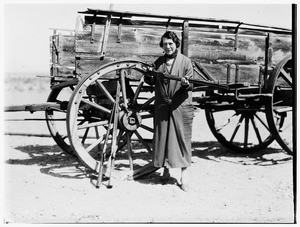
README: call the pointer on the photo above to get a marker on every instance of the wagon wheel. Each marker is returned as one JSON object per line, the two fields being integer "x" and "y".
{"x": 90, "y": 119}
{"x": 279, "y": 107}
{"x": 56, "y": 118}
{"x": 242, "y": 130}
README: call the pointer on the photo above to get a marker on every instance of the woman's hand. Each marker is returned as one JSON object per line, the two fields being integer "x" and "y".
{"x": 184, "y": 82}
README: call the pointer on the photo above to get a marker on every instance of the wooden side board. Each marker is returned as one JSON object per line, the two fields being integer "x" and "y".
{"x": 214, "y": 48}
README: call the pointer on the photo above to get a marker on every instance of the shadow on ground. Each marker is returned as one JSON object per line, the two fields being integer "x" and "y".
{"x": 52, "y": 160}
{"x": 213, "y": 151}
{"x": 55, "y": 162}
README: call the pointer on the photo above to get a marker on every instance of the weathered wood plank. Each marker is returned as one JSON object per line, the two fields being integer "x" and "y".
{"x": 210, "y": 27}
{"x": 85, "y": 67}
{"x": 248, "y": 73}
{"x": 32, "y": 107}
{"x": 62, "y": 71}
{"x": 210, "y": 47}
{"x": 62, "y": 61}
{"x": 66, "y": 50}
{"x": 213, "y": 47}
{"x": 131, "y": 38}
{"x": 126, "y": 14}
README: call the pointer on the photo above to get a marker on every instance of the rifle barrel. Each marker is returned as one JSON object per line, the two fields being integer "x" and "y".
{"x": 197, "y": 81}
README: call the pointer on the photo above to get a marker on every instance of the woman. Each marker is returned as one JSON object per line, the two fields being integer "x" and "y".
{"x": 173, "y": 110}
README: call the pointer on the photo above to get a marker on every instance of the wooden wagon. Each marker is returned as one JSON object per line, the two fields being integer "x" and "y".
{"x": 99, "y": 102}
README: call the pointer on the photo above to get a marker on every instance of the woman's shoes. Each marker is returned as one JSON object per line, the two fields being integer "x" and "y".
{"x": 164, "y": 180}
{"x": 166, "y": 173}
{"x": 168, "y": 180}
{"x": 185, "y": 187}
{"x": 166, "y": 176}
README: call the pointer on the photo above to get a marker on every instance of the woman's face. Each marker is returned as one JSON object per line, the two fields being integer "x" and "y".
{"x": 169, "y": 46}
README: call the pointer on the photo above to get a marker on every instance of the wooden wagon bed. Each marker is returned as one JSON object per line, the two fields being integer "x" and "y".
{"x": 105, "y": 36}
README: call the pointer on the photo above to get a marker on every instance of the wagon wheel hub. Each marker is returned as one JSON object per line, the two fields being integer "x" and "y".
{"x": 130, "y": 121}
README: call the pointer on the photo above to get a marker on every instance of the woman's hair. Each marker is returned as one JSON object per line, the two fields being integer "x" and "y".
{"x": 170, "y": 35}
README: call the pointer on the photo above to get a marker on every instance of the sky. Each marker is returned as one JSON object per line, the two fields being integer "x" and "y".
{"x": 27, "y": 25}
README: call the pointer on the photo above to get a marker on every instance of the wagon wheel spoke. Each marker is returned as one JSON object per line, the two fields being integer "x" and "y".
{"x": 96, "y": 106}
{"x": 262, "y": 122}
{"x": 145, "y": 144}
{"x": 85, "y": 135}
{"x": 147, "y": 128}
{"x": 146, "y": 109}
{"x": 147, "y": 103}
{"x": 147, "y": 116}
{"x": 123, "y": 88}
{"x": 81, "y": 121}
{"x": 286, "y": 76}
{"x": 105, "y": 91}
{"x": 138, "y": 91}
{"x": 95, "y": 143}
{"x": 246, "y": 132}
{"x": 256, "y": 129}
{"x": 238, "y": 125}
{"x": 92, "y": 124}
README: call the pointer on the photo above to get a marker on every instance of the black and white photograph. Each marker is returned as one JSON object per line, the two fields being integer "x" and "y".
{"x": 149, "y": 112}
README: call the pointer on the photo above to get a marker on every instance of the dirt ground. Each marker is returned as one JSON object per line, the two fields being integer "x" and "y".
{"x": 42, "y": 184}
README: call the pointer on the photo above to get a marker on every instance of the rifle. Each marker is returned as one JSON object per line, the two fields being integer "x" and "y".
{"x": 153, "y": 73}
